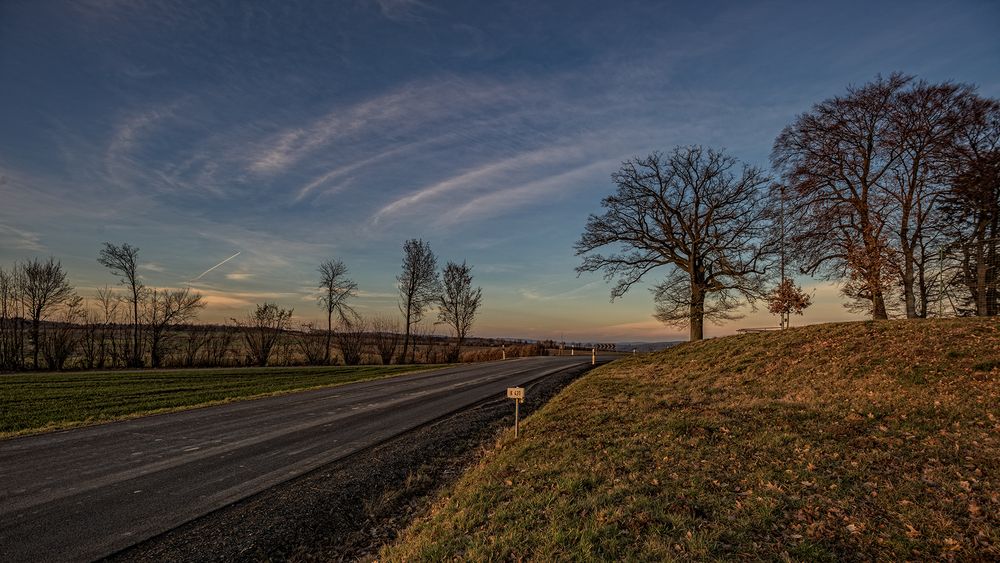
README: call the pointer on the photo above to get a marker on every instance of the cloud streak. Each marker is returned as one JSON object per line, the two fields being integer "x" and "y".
{"x": 20, "y": 239}
{"x": 481, "y": 178}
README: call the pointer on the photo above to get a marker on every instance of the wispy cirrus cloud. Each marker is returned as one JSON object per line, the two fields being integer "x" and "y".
{"x": 14, "y": 238}
{"x": 406, "y": 109}
{"x": 356, "y": 165}
{"x": 127, "y": 136}
{"x": 534, "y": 294}
{"x": 484, "y": 177}
{"x": 504, "y": 200}
{"x": 404, "y": 10}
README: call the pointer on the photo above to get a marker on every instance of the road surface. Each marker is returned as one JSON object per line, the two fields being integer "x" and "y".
{"x": 86, "y": 493}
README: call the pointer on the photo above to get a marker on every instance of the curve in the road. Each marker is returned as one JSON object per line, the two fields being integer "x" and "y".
{"x": 85, "y": 493}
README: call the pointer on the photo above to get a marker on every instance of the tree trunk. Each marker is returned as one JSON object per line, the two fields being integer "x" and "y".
{"x": 909, "y": 296}
{"x": 697, "y": 314}
{"x": 329, "y": 336}
{"x": 34, "y": 342}
{"x": 922, "y": 290}
{"x": 406, "y": 337}
{"x": 981, "y": 287}
{"x": 154, "y": 352}
{"x": 135, "y": 360}
{"x": 878, "y": 305}
{"x": 993, "y": 281}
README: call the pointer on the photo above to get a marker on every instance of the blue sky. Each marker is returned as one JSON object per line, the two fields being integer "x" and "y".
{"x": 292, "y": 132}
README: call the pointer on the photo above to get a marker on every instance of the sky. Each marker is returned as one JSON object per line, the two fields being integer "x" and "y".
{"x": 293, "y": 132}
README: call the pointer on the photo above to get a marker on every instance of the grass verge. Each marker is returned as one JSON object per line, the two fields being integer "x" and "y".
{"x": 830, "y": 442}
{"x": 38, "y": 402}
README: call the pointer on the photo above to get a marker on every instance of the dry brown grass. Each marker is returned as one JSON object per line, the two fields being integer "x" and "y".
{"x": 843, "y": 441}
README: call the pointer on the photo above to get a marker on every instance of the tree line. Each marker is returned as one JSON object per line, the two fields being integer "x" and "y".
{"x": 46, "y": 324}
{"x": 891, "y": 189}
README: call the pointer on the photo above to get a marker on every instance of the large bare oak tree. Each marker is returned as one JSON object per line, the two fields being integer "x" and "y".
{"x": 698, "y": 212}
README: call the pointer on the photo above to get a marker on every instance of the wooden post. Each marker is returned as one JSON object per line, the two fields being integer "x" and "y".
{"x": 516, "y": 393}
{"x": 517, "y": 416}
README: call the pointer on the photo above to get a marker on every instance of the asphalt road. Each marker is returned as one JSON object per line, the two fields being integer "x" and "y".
{"x": 86, "y": 493}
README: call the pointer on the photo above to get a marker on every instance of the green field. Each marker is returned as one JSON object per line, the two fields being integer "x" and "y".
{"x": 854, "y": 441}
{"x": 49, "y": 401}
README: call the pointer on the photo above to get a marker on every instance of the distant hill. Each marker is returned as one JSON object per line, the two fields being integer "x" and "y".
{"x": 849, "y": 441}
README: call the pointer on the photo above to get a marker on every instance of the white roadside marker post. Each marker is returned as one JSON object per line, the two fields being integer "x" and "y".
{"x": 516, "y": 393}
{"x": 503, "y": 349}
{"x": 593, "y": 356}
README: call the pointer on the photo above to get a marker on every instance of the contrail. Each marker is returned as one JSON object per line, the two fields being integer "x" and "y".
{"x": 216, "y": 266}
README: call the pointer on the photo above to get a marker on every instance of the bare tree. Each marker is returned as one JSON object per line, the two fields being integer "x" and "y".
{"x": 972, "y": 204}
{"x": 12, "y": 316}
{"x": 218, "y": 347}
{"x": 695, "y": 210}
{"x": 925, "y": 121}
{"x": 314, "y": 344}
{"x": 44, "y": 288}
{"x": 418, "y": 285}
{"x": 109, "y": 310}
{"x": 62, "y": 336}
{"x": 385, "y": 336}
{"x": 196, "y": 339}
{"x": 337, "y": 289}
{"x": 123, "y": 262}
{"x": 262, "y": 329}
{"x": 837, "y": 159}
{"x": 351, "y": 340}
{"x": 166, "y": 309}
{"x": 91, "y": 339}
{"x": 459, "y": 302}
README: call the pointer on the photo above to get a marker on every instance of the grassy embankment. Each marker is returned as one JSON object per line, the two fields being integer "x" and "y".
{"x": 829, "y": 442}
{"x": 35, "y": 402}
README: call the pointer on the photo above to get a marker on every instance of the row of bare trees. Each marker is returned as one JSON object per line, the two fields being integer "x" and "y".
{"x": 884, "y": 178}
{"x": 869, "y": 188}
{"x": 43, "y": 318}
{"x": 31, "y": 293}
{"x": 421, "y": 287}
{"x": 44, "y": 323}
